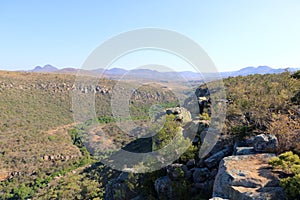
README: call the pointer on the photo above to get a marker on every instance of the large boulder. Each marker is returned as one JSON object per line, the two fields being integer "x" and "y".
{"x": 200, "y": 175}
{"x": 214, "y": 160}
{"x": 191, "y": 163}
{"x": 163, "y": 188}
{"x": 191, "y": 104}
{"x": 117, "y": 189}
{"x": 265, "y": 143}
{"x": 244, "y": 151}
{"x": 247, "y": 177}
{"x": 205, "y": 188}
{"x": 175, "y": 171}
{"x": 182, "y": 114}
{"x": 191, "y": 129}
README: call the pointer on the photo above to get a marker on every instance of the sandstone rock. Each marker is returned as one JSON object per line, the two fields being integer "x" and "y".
{"x": 140, "y": 197}
{"x": 244, "y": 150}
{"x": 181, "y": 114}
{"x": 117, "y": 189}
{"x": 196, "y": 140}
{"x": 201, "y": 163}
{"x": 214, "y": 160}
{"x": 250, "y": 141}
{"x": 207, "y": 185}
{"x": 191, "y": 163}
{"x": 266, "y": 143}
{"x": 4, "y": 175}
{"x": 200, "y": 175}
{"x": 46, "y": 158}
{"x": 190, "y": 130}
{"x": 191, "y": 104}
{"x": 205, "y": 123}
{"x": 163, "y": 188}
{"x": 175, "y": 171}
{"x": 219, "y": 145}
{"x": 187, "y": 173}
{"x": 202, "y": 136}
{"x": 247, "y": 177}
{"x": 213, "y": 173}
{"x": 198, "y": 126}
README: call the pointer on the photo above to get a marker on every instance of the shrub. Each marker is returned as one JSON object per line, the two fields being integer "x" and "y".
{"x": 51, "y": 138}
{"x": 191, "y": 153}
{"x": 204, "y": 116}
{"x": 291, "y": 186}
{"x": 290, "y": 164}
{"x": 287, "y": 162}
{"x": 23, "y": 192}
{"x": 296, "y": 75}
{"x": 241, "y": 132}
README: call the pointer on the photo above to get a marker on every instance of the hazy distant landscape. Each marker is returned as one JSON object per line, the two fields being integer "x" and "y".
{"x": 156, "y": 75}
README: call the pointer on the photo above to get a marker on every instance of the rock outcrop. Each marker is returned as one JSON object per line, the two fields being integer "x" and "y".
{"x": 215, "y": 159}
{"x": 4, "y": 175}
{"x": 117, "y": 189}
{"x": 247, "y": 177}
{"x": 163, "y": 188}
{"x": 244, "y": 151}
{"x": 182, "y": 114}
{"x": 265, "y": 143}
{"x": 175, "y": 171}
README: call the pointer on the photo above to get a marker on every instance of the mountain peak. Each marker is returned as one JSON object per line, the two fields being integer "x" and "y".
{"x": 264, "y": 67}
{"x": 46, "y": 68}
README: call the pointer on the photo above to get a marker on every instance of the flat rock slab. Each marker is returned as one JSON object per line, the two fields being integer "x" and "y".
{"x": 244, "y": 150}
{"x": 247, "y": 177}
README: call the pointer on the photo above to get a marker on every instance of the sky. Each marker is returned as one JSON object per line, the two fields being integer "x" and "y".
{"x": 233, "y": 33}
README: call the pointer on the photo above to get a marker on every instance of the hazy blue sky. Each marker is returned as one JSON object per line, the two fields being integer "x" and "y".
{"x": 234, "y": 34}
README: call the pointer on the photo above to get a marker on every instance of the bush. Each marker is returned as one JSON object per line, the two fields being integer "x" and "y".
{"x": 296, "y": 75}
{"x": 23, "y": 192}
{"x": 290, "y": 164}
{"x": 241, "y": 132}
{"x": 51, "y": 138}
{"x": 191, "y": 153}
{"x": 204, "y": 116}
{"x": 291, "y": 186}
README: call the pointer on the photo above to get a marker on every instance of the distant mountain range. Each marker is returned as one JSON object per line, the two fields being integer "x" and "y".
{"x": 257, "y": 70}
{"x": 45, "y": 69}
{"x": 116, "y": 73}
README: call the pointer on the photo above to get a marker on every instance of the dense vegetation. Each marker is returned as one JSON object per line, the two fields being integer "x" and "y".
{"x": 264, "y": 103}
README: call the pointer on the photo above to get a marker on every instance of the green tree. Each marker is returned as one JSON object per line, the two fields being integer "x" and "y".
{"x": 23, "y": 192}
